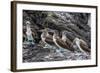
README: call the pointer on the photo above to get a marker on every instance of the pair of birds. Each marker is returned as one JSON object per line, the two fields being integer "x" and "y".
{"x": 63, "y": 42}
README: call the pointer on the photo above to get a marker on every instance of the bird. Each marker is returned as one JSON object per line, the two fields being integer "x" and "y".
{"x": 60, "y": 43}
{"x": 82, "y": 45}
{"x": 29, "y": 33}
{"x": 66, "y": 39}
{"x": 46, "y": 37}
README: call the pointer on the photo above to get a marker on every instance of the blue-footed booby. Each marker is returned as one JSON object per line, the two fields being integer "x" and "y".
{"x": 46, "y": 37}
{"x": 29, "y": 33}
{"x": 82, "y": 45}
{"x": 65, "y": 38}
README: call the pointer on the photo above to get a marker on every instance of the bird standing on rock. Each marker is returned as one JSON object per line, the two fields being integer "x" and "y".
{"x": 82, "y": 45}
{"x": 46, "y": 37}
{"x": 66, "y": 39}
{"x": 29, "y": 33}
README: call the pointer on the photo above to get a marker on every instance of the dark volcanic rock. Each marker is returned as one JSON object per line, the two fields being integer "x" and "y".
{"x": 75, "y": 24}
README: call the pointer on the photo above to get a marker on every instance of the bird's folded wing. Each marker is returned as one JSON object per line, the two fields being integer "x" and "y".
{"x": 83, "y": 42}
{"x": 49, "y": 40}
{"x": 68, "y": 41}
{"x": 63, "y": 44}
{"x": 85, "y": 47}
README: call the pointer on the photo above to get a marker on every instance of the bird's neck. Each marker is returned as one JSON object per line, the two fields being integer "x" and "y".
{"x": 47, "y": 34}
{"x": 44, "y": 34}
{"x": 78, "y": 44}
{"x": 63, "y": 37}
{"x": 28, "y": 28}
{"x": 55, "y": 35}
{"x": 28, "y": 32}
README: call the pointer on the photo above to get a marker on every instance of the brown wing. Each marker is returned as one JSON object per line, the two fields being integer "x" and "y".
{"x": 63, "y": 44}
{"x": 68, "y": 41}
{"x": 85, "y": 47}
{"x": 49, "y": 40}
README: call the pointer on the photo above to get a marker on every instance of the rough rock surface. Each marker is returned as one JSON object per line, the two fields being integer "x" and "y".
{"x": 77, "y": 25}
